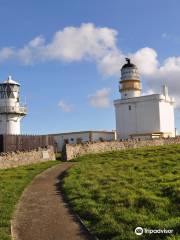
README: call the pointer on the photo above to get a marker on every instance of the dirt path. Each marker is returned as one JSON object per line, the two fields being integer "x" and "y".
{"x": 42, "y": 213}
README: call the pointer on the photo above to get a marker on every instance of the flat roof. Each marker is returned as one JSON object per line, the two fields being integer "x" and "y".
{"x": 90, "y": 131}
{"x": 143, "y": 98}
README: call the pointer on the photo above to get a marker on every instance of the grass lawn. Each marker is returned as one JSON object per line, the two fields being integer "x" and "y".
{"x": 116, "y": 192}
{"x": 12, "y": 183}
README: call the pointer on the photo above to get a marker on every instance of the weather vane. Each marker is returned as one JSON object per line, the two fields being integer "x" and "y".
{"x": 128, "y": 60}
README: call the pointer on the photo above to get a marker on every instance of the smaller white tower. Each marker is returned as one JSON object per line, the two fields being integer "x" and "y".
{"x": 130, "y": 84}
{"x": 10, "y": 110}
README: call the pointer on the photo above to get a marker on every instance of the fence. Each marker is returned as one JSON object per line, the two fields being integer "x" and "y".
{"x": 11, "y": 143}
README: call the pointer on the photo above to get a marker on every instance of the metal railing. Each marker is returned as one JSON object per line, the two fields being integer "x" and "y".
{"x": 11, "y": 109}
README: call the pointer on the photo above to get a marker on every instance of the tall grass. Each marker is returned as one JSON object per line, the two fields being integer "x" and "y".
{"x": 12, "y": 183}
{"x": 116, "y": 192}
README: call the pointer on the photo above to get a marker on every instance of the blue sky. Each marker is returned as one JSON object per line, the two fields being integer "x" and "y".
{"x": 68, "y": 79}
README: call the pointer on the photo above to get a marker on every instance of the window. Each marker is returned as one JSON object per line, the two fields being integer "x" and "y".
{"x": 66, "y": 141}
{"x": 129, "y": 107}
{"x": 101, "y": 139}
{"x": 79, "y": 140}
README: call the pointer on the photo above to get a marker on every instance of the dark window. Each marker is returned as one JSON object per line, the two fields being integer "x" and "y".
{"x": 72, "y": 139}
{"x": 129, "y": 107}
{"x": 101, "y": 139}
{"x": 79, "y": 140}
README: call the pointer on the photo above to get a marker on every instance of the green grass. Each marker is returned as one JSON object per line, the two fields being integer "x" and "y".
{"x": 116, "y": 192}
{"x": 12, "y": 183}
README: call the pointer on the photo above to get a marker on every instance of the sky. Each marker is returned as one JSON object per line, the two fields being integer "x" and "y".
{"x": 67, "y": 56}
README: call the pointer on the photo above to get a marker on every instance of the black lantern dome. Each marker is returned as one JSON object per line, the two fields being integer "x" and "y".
{"x": 128, "y": 64}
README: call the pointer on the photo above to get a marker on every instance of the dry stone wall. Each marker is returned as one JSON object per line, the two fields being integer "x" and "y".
{"x": 72, "y": 151}
{"x": 15, "y": 159}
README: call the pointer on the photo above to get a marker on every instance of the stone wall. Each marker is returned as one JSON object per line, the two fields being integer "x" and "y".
{"x": 15, "y": 159}
{"x": 71, "y": 151}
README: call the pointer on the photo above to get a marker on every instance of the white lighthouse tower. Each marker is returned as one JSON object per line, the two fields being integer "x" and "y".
{"x": 11, "y": 112}
{"x": 138, "y": 116}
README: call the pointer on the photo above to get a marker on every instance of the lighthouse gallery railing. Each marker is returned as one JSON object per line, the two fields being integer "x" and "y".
{"x": 11, "y": 109}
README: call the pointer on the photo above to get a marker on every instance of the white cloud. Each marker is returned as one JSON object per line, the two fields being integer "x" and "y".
{"x": 111, "y": 63}
{"x": 65, "y": 107}
{"x": 84, "y": 42}
{"x": 33, "y": 51}
{"x": 6, "y": 53}
{"x": 171, "y": 64}
{"x": 146, "y": 60}
{"x": 100, "y": 99}
{"x": 168, "y": 73}
{"x": 99, "y": 44}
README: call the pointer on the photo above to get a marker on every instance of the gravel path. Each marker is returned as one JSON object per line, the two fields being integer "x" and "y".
{"x": 42, "y": 213}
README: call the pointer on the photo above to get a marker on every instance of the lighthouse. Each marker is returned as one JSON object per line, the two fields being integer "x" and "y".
{"x": 142, "y": 116}
{"x": 11, "y": 112}
{"x": 130, "y": 85}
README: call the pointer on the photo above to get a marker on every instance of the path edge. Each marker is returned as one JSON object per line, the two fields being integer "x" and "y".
{"x": 14, "y": 234}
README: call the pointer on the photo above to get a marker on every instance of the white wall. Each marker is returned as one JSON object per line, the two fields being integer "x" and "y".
{"x": 84, "y": 136}
{"x": 71, "y": 137}
{"x": 125, "y": 120}
{"x": 167, "y": 118}
{"x": 148, "y": 114}
{"x": 9, "y": 124}
{"x": 130, "y": 94}
{"x": 105, "y": 136}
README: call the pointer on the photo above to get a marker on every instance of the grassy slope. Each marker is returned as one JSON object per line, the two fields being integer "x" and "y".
{"x": 12, "y": 183}
{"x": 116, "y": 192}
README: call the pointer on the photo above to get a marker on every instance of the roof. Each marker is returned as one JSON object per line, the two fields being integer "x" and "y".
{"x": 128, "y": 64}
{"x": 10, "y": 81}
{"x": 144, "y": 98}
{"x": 81, "y": 132}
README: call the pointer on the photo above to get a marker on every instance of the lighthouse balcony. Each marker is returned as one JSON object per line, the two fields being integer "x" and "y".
{"x": 122, "y": 89}
{"x": 13, "y": 110}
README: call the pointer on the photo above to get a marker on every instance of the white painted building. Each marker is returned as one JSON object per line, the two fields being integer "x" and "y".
{"x": 11, "y": 112}
{"x": 139, "y": 116}
{"x": 81, "y": 137}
